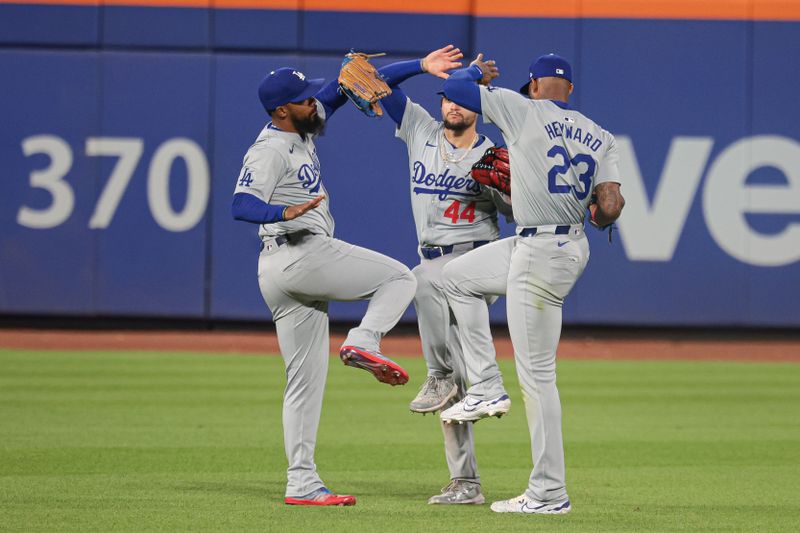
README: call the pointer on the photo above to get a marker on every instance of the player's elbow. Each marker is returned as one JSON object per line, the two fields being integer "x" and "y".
{"x": 247, "y": 208}
{"x": 238, "y": 209}
{"x": 610, "y": 208}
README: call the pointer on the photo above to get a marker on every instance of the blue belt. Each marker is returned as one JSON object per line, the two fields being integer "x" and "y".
{"x": 560, "y": 230}
{"x": 280, "y": 240}
{"x": 432, "y": 252}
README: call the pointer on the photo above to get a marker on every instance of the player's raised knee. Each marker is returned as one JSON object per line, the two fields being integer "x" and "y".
{"x": 451, "y": 279}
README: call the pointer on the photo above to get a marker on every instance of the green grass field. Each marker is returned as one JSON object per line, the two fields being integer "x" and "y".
{"x": 185, "y": 442}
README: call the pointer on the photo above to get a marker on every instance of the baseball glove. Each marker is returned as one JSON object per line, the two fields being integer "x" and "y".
{"x": 361, "y": 82}
{"x": 493, "y": 170}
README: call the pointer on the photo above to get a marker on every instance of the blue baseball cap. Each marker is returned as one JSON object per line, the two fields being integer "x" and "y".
{"x": 548, "y": 65}
{"x": 286, "y": 85}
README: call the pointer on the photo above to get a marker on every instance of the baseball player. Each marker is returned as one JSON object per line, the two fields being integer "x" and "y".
{"x": 453, "y": 214}
{"x": 559, "y": 158}
{"x": 302, "y": 267}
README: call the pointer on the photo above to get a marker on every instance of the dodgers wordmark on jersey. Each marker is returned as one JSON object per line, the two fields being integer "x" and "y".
{"x": 557, "y": 156}
{"x": 281, "y": 168}
{"x": 449, "y": 206}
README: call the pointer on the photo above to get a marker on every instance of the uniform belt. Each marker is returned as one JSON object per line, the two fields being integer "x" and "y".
{"x": 280, "y": 240}
{"x": 433, "y": 251}
{"x": 558, "y": 230}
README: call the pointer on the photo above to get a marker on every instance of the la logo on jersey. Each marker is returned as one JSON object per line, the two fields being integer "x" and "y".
{"x": 299, "y": 75}
{"x": 247, "y": 178}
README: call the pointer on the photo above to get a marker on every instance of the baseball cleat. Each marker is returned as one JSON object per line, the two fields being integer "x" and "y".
{"x": 434, "y": 395}
{"x": 384, "y": 369}
{"x": 523, "y": 504}
{"x": 472, "y": 409}
{"x": 459, "y": 492}
{"x": 321, "y": 496}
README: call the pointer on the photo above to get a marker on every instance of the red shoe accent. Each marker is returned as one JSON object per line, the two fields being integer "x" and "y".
{"x": 384, "y": 369}
{"x": 328, "y": 499}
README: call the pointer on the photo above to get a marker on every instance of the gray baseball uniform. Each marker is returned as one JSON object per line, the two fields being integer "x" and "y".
{"x": 450, "y": 209}
{"x": 300, "y": 269}
{"x": 557, "y": 157}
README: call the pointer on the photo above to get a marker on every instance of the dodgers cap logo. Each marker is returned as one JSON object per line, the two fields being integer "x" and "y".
{"x": 548, "y": 65}
{"x": 285, "y": 85}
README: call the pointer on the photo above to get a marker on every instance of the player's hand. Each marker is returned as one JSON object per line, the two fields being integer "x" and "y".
{"x": 440, "y": 61}
{"x": 488, "y": 67}
{"x": 294, "y": 211}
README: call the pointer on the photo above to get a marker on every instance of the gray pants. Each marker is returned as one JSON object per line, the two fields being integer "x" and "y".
{"x": 468, "y": 281}
{"x": 540, "y": 272}
{"x": 297, "y": 281}
{"x": 441, "y": 348}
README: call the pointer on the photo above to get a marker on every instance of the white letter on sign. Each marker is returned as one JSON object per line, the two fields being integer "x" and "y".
{"x": 727, "y": 199}
{"x": 650, "y": 231}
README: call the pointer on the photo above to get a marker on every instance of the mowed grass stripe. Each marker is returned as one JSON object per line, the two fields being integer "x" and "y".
{"x": 134, "y": 441}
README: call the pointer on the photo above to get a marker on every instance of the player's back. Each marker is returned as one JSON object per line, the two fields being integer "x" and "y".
{"x": 557, "y": 156}
{"x": 566, "y": 149}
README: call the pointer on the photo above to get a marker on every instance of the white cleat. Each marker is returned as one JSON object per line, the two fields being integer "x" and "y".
{"x": 525, "y": 505}
{"x": 472, "y": 409}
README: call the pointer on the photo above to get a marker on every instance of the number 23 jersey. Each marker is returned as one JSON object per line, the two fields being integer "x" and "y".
{"x": 557, "y": 156}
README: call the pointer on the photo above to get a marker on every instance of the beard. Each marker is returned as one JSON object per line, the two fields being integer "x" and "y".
{"x": 312, "y": 125}
{"x": 458, "y": 125}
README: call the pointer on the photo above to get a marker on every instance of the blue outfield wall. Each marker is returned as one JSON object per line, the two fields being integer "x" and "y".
{"x": 122, "y": 136}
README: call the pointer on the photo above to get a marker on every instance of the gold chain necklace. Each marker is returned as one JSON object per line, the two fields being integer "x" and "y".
{"x": 448, "y": 157}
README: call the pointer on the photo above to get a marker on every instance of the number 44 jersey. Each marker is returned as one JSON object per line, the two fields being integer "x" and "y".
{"x": 449, "y": 206}
{"x": 557, "y": 156}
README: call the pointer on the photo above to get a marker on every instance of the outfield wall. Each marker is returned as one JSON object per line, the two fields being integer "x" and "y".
{"x": 124, "y": 124}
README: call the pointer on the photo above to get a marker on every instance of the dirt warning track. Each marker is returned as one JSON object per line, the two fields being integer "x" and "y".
{"x": 573, "y": 346}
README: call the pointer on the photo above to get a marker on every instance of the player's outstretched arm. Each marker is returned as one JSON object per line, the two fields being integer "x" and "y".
{"x": 294, "y": 211}
{"x": 394, "y": 74}
{"x": 609, "y": 204}
{"x": 461, "y": 86}
{"x": 438, "y": 63}
{"x": 248, "y": 208}
{"x": 395, "y": 105}
{"x": 331, "y": 98}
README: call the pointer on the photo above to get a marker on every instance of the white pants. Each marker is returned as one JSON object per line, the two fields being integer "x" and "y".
{"x": 469, "y": 281}
{"x": 544, "y": 268}
{"x": 441, "y": 348}
{"x": 541, "y": 272}
{"x": 297, "y": 281}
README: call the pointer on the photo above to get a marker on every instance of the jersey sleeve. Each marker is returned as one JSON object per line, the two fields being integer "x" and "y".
{"x": 505, "y": 109}
{"x": 330, "y": 99}
{"x": 609, "y": 165}
{"x": 416, "y": 124}
{"x": 260, "y": 173}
